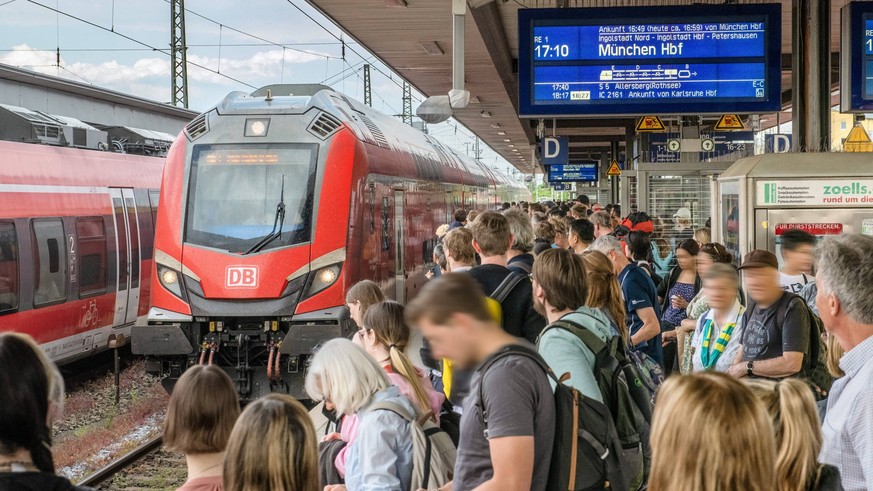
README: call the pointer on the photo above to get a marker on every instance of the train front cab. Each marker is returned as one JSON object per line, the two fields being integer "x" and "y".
{"x": 761, "y": 197}
{"x": 231, "y": 291}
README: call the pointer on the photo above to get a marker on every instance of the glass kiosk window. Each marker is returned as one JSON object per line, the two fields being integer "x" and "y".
{"x": 730, "y": 213}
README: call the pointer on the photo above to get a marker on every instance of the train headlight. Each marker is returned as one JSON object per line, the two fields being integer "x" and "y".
{"x": 327, "y": 276}
{"x": 257, "y": 127}
{"x": 169, "y": 277}
{"x": 170, "y": 280}
{"x": 323, "y": 278}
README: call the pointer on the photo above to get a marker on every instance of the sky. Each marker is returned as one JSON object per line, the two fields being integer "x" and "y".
{"x": 232, "y": 45}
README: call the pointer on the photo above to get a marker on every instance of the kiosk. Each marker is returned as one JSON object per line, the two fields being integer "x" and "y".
{"x": 761, "y": 197}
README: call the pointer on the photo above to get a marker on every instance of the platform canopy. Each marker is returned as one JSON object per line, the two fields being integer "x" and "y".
{"x": 414, "y": 37}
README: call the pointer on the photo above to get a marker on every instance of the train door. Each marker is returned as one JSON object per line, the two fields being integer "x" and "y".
{"x": 399, "y": 248}
{"x": 127, "y": 247}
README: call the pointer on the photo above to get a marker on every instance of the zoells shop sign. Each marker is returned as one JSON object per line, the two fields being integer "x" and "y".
{"x": 835, "y": 193}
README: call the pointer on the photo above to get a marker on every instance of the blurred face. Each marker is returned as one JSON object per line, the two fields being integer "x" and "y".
{"x": 613, "y": 258}
{"x": 454, "y": 341}
{"x": 721, "y": 293}
{"x": 827, "y": 306}
{"x": 539, "y": 296}
{"x": 561, "y": 241}
{"x": 761, "y": 283}
{"x": 704, "y": 262}
{"x": 686, "y": 261}
{"x": 801, "y": 258}
{"x": 600, "y": 231}
{"x": 355, "y": 312}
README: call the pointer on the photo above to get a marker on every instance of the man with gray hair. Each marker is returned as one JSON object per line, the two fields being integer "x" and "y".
{"x": 640, "y": 298}
{"x": 845, "y": 304}
{"x": 519, "y": 258}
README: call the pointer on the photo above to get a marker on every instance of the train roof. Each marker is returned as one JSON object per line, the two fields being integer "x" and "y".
{"x": 368, "y": 123}
{"x": 801, "y": 165}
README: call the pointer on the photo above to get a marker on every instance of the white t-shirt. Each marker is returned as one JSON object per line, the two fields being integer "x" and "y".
{"x": 794, "y": 283}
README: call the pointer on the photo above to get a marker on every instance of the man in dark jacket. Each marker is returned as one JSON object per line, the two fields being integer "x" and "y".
{"x": 492, "y": 239}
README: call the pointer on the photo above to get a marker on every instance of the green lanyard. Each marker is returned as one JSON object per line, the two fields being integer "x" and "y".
{"x": 709, "y": 358}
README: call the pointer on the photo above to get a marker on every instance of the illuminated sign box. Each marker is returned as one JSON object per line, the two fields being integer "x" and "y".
{"x": 575, "y": 172}
{"x": 856, "y": 63}
{"x": 711, "y": 59}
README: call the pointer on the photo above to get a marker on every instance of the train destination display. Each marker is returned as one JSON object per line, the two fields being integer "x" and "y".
{"x": 856, "y": 74}
{"x": 600, "y": 61}
{"x": 586, "y": 171}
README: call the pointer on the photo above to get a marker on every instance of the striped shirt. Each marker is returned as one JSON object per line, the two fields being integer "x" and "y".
{"x": 848, "y": 425}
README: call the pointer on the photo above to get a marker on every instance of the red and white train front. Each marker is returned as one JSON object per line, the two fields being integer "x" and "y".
{"x": 251, "y": 241}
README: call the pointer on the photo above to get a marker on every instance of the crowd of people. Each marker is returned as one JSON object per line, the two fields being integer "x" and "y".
{"x": 754, "y": 374}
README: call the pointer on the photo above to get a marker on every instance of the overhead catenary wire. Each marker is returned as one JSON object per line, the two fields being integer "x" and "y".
{"x": 134, "y": 40}
{"x": 254, "y": 36}
{"x": 338, "y": 38}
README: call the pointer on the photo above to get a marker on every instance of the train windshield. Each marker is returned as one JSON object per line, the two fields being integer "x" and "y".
{"x": 235, "y": 190}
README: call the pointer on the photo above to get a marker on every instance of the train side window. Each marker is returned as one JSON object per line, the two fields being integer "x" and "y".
{"x": 91, "y": 232}
{"x": 50, "y": 262}
{"x": 8, "y": 267}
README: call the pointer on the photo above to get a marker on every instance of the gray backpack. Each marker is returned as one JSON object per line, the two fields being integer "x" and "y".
{"x": 433, "y": 453}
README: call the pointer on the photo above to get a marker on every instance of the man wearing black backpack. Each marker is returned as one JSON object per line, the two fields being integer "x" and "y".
{"x": 492, "y": 238}
{"x": 508, "y": 424}
{"x": 776, "y": 338}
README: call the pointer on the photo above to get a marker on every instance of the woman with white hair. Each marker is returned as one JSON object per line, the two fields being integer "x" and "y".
{"x": 345, "y": 376}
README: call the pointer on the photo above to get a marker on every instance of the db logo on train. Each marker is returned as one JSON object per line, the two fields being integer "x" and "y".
{"x": 242, "y": 277}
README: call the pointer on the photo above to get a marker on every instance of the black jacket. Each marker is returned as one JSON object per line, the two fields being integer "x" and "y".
{"x": 667, "y": 284}
{"x": 522, "y": 263}
{"x": 36, "y": 481}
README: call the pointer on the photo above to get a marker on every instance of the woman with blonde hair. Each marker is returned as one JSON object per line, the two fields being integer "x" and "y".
{"x": 342, "y": 374}
{"x": 384, "y": 335}
{"x": 798, "y": 436}
{"x": 702, "y": 236}
{"x": 360, "y": 297}
{"x": 604, "y": 292}
{"x": 273, "y": 447}
{"x": 200, "y": 417}
{"x": 710, "y": 433}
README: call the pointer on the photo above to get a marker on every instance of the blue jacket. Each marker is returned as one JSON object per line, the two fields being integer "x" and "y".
{"x": 380, "y": 459}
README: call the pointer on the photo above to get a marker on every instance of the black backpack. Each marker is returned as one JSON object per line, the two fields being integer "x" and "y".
{"x": 626, "y": 396}
{"x": 586, "y": 450}
{"x": 817, "y": 375}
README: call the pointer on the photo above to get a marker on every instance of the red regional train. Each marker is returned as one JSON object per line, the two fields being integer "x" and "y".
{"x": 76, "y": 230}
{"x": 273, "y": 204}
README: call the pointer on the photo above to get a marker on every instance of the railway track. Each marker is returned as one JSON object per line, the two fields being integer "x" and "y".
{"x": 128, "y": 460}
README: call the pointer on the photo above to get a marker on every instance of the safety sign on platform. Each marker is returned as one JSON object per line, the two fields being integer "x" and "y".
{"x": 730, "y": 122}
{"x": 858, "y": 141}
{"x": 650, "y": 124}
{"x": 614, "y": 169}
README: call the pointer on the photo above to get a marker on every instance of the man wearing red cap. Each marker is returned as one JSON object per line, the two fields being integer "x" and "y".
{"x": 775, "y": 340}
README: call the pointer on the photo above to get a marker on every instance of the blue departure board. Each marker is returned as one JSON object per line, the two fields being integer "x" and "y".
{"x": 586, "y": 171}
{"x": 856, "y": 63}
{"x": 868, "y": 57}
{"x": 650, "y": 60}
